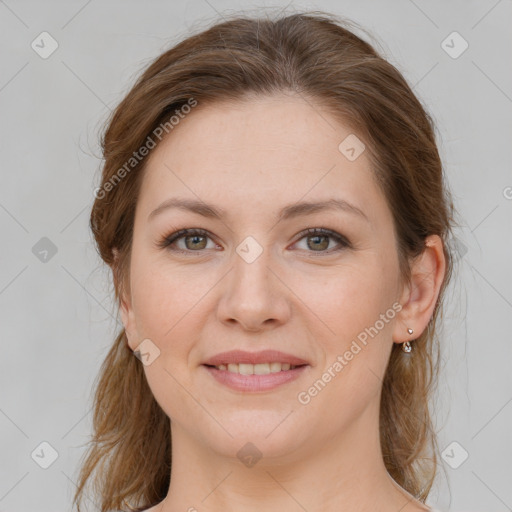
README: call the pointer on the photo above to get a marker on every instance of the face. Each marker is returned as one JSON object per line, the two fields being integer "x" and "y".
{"x": 253, "y": 278}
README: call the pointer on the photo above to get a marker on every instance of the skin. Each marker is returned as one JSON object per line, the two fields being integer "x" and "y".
{"x": 252, "y": 158}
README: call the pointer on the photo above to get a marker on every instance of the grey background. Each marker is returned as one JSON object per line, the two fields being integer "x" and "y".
{"x": 57, "y": 316}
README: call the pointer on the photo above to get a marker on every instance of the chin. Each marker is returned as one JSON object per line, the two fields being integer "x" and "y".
{"x": 257, "y": 434}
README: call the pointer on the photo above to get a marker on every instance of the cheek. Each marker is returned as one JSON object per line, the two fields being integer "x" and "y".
{"x": 343, "y": 301}
{"x": 355, "y": 345}
{"x": 353, "y": 318}
{"x": 166, "y": 299}
{"x": 168, "y": 311}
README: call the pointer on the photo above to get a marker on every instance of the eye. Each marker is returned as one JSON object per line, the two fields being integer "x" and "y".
{"x": 195, "y": 240}
{"x": 318, "y": 240}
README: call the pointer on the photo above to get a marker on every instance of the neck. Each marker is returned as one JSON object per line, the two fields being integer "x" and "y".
{"x": 346, "y": 473}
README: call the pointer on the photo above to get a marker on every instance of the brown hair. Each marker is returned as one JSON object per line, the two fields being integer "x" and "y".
{"x": 313, "y": 55}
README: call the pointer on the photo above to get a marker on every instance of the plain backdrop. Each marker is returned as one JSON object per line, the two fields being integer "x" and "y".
{"x": 57, "y": 315}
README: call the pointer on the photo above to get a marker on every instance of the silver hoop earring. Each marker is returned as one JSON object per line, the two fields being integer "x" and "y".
{"x": 406, "y": 346}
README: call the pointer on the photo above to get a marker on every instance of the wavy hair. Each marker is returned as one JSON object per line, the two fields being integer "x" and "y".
{"x": 317, "y": 56}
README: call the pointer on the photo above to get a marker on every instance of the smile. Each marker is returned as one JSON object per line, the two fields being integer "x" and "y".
{"x": 257, "y": 377}
{"x": 256, "y": 369}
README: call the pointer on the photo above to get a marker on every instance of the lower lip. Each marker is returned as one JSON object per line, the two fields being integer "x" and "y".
{"x": 255, "y": 383}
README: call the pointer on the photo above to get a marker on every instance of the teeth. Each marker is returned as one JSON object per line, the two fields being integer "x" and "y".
{"x": 274, "y": 367}
{"x": 255, "y": 369}
{"x": 243, "y": 369}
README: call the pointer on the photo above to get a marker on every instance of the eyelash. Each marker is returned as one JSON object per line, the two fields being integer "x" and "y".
{"x": 167, "y": 241}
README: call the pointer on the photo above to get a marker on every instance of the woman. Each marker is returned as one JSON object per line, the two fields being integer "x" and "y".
{"x": 274, "y": 212}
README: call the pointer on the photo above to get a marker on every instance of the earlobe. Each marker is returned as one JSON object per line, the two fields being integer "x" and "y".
{"x": 420, "y": 296}
{"x": 127, "y": 318}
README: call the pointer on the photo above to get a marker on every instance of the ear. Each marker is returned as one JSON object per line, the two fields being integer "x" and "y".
{"x": 419, "y": 296}
{"x": 128, "y": 319}
{"x": 125, "y": 307}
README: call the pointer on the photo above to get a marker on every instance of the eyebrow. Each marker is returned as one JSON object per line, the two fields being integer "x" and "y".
{"x": 288, "y": 212}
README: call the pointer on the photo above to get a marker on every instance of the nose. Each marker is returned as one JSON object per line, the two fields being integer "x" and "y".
{"x": 253, "y": 296}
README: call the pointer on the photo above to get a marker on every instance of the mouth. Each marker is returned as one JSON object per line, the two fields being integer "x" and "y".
{"x": 255, "y": 369}
{"x": 249, "y": 378}
{"x": 247, "y": 360}
{"x": 245, "y": 371}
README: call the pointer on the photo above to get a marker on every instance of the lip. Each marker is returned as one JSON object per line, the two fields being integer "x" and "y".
{"x": 255, "y": 383}
{"x": 264, "y": 356}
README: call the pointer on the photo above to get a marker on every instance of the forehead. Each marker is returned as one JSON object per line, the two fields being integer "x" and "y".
{"x": 275, "y": 149}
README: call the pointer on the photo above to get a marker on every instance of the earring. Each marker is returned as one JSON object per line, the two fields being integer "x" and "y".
{"x": 406, "y": 346}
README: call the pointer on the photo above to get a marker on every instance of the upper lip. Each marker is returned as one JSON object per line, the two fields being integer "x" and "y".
{"x": 264, "y": 356}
